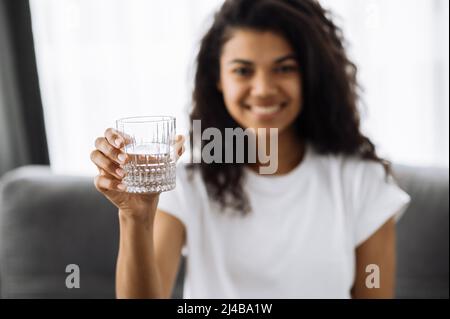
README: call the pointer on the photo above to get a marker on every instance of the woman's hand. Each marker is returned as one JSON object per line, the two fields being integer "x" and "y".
{"x": 109, "y": 159}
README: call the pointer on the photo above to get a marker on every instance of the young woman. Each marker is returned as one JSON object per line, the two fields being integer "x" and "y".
{"x": 321, "y": 226}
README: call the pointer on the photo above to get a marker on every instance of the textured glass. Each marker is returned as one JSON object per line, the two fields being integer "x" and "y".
{"x": 150, "y": 167}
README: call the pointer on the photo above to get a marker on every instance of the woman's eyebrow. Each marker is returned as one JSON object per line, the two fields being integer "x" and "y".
{"x": 276, "y": 61}
{"x": 286, "y": 57}
{"x": 246, "y": 62}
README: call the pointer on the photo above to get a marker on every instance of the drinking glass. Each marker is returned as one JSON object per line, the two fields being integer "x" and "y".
{"x": 150, "y": 148}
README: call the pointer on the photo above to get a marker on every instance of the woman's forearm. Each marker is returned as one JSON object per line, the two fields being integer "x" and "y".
{"x": 137, "y": 274}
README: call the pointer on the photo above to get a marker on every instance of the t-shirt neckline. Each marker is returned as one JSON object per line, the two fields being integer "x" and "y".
{"x": 253, "y": 179}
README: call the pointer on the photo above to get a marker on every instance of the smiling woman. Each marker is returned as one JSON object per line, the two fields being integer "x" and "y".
{"x": 308, "y": 230}
{"x": 296, "y": 234}
{"x": 314, "y": 100}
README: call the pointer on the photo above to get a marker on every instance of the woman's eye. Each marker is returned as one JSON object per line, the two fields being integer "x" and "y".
{"x": 286, "y": 69}
{"x": 242, "y": 71}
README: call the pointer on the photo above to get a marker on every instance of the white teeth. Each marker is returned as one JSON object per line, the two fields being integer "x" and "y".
{"x": 263, "y": 110}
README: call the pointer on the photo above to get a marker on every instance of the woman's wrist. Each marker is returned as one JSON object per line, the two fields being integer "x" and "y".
{"x": 139, "y": 215}
{"x": 131, "y": 221}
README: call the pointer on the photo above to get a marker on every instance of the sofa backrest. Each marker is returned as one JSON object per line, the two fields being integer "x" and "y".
{"x": 48, "y": 222}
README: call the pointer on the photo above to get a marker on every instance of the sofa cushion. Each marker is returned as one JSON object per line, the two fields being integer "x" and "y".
{"x": 47, "y": 222}
{"x": 423, "y": 233}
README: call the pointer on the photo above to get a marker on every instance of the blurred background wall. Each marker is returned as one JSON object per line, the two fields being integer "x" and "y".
{"x": 103, "y": 59}
{"x": 22, "y": 132}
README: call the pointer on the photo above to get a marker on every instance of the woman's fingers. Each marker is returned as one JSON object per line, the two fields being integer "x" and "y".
{"x": 110, "y": 158}
{"x": 116, "y": 138}
{"x": 179, "y": 146}
{"x": 104, "y": 163}
{"x": 107, "y": 182}
{"x": 113, "y": 153}
{"x": 111, "y": 145}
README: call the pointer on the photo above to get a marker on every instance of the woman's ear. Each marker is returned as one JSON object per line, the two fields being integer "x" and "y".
{"x": 219, "y": 86}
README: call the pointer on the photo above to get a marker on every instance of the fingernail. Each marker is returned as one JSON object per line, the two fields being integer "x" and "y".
{"x": 122, "y": 187}
{"x": 120, "y": 172}
{"x": 121, "y": 157}
{"x": 118, "y": 142}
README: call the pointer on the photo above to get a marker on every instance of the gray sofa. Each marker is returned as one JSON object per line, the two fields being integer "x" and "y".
{"x": 49, "y": 221}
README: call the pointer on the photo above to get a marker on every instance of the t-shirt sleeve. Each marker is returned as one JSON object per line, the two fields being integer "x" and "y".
{"x": 376, "y": 199}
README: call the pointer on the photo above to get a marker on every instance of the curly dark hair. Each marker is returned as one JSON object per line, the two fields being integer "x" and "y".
{"x": 329, "y": 119}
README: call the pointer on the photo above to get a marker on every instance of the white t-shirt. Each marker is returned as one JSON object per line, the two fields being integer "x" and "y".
{"x": 299, "y": 239}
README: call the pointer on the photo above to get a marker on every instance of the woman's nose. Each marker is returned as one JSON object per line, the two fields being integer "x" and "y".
{"x": 263, "y": 85}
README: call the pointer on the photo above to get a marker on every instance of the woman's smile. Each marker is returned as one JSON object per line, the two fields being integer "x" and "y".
{"x": 264, "y": 112}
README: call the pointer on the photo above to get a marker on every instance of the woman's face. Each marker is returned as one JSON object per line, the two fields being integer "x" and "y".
{"x": 260, "y": 80}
